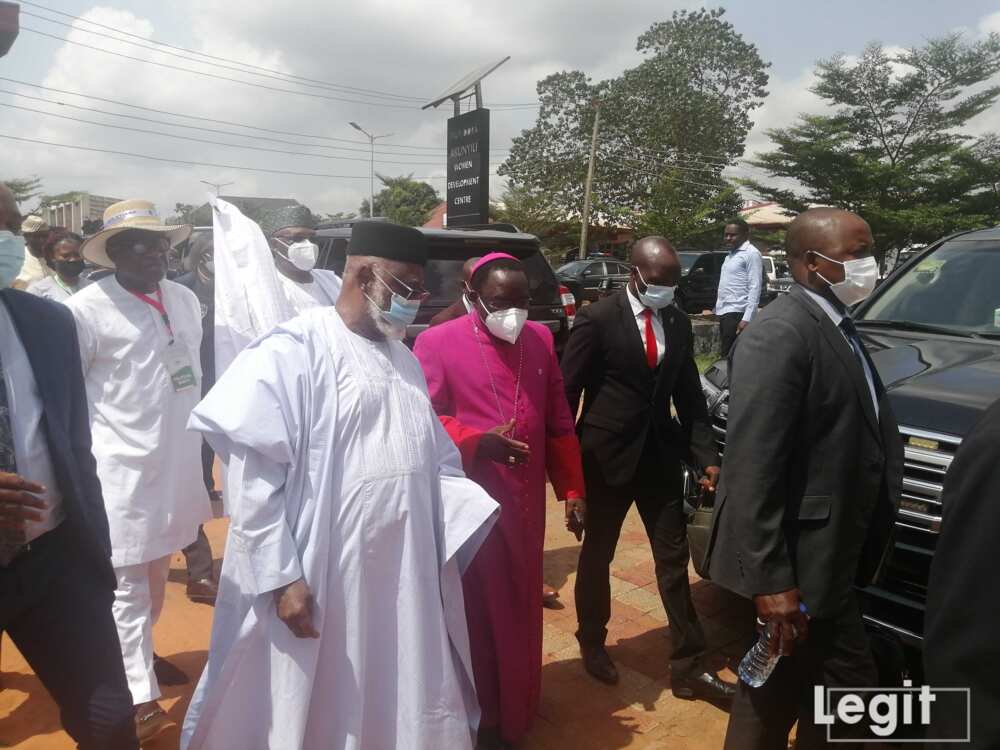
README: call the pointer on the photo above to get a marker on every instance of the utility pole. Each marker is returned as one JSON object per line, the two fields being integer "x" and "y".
{"x": 590, "y": 181}
{"x": 371, "y": 172}
{"x": 217, "y": 185}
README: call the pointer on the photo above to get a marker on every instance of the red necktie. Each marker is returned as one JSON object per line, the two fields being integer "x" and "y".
{"x": 651, "y": 350}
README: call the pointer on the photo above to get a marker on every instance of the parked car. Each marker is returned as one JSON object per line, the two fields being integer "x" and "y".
{"x": 933, "y": 330}
{"x": 699, "y": 285}
{"x": 588, "y": 280}
{"x": 448, "y": 249}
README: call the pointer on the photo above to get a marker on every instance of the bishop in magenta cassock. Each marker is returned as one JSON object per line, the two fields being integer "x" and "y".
{"x": 495, "y": 383}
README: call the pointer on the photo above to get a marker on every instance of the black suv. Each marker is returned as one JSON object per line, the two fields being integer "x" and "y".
{"x": 589, "y": 280}
{"x": 448, "y": 249}
{"x": 933, "y": 330}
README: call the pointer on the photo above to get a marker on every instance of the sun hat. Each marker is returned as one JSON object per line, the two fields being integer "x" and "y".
{"x": 32, "y": 224}
{"x": 130, "y": 214}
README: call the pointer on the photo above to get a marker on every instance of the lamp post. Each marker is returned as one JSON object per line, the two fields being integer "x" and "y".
{"x": 371, "y": 172}
{"x": 217, "y": 185}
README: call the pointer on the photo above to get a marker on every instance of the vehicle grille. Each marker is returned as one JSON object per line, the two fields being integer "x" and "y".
{"x": 720, "y": 417}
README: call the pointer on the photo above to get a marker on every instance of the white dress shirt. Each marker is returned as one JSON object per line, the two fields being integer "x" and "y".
{"x": 740, "y": 282}
{"x": 639, "y": 310}
{"x": 31, "y": 450}
{"x": 836, "y": 316}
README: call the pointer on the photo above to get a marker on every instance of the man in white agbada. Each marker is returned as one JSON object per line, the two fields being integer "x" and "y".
{"x": 340, "y": 622}
{"x": 139, "y": 340}
{"x": 264, "y": 274}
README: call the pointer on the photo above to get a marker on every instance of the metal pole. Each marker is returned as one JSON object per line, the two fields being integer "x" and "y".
{"x": 371, "y": 179}
{"x": 590, "y": 181}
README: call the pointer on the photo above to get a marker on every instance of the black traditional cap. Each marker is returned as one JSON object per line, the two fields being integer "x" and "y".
{"x": 295, "y": 215}
{"x": 392, "y": 241}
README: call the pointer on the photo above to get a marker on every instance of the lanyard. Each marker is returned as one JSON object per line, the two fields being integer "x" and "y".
{"x": 157, "y": 304}
{"x": 65, "y": 288}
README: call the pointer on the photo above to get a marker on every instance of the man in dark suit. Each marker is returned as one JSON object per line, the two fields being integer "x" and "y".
{"x": 813, "y": 467}
{"x": 961, "y": 648}
{"x": 56, "y": 580}
{"x": 628, "y": 356}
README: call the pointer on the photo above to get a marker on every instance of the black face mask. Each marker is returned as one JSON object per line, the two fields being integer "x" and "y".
{"x": 70, "y": 268}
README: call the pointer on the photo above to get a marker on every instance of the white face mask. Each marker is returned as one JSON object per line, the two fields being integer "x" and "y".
{"x": 11, "y": 257}
{"x": 860, "y": 276}
{"x": 302, "y": 254}
{"x": 507, "y": 324}
{"x": 655, "y": 297}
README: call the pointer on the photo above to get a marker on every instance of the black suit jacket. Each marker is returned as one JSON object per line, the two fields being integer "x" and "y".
{"x": 961, "y": 648}
{"x": 625, "y": 403}
{"x": 811, "y": 475}
{"x": 48, "y": 334}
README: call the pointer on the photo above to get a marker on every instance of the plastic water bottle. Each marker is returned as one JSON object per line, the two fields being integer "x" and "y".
{"x": 759, "y": 663}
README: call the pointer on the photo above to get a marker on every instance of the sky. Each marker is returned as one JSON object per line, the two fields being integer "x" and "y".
{"x": 373, "y": 62}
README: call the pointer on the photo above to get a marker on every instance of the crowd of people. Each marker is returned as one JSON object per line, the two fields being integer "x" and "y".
{"x": 381, "y": 585}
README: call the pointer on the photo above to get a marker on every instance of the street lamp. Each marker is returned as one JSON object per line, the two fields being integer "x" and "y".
{"x": 371, "y": 172}
{"x": 217, "y": 185}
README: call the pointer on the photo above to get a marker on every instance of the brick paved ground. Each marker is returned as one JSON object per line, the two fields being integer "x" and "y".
{"x": 577, "y": 712}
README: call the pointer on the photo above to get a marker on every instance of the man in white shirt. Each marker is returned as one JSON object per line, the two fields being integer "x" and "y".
{"x": 35, "y": 232}
{"x": 740, "y": 284}
{"x": 139, "y": 340}
{"x": 289, "y": 231}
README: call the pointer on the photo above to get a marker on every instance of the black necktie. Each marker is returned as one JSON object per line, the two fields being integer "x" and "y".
{"x": 10, "y": 539}
{"x": 851, "y": 331}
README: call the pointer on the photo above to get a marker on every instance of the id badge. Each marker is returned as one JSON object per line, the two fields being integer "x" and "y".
{"x": 179, "y": 368}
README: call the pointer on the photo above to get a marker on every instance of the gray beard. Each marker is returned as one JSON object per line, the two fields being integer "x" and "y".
{"x": 384, "y": 327}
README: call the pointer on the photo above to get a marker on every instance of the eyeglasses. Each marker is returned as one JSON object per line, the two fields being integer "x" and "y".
{"x": 413, "y": 295}
{"x": 142, "y": 247}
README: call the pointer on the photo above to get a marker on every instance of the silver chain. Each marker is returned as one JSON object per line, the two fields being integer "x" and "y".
{"x": 493, "y": 385}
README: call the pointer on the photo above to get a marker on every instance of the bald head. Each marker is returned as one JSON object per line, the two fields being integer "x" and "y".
{"x": 656, "y": 260}
{"x": 10, "y": 217}
{"x": 820, "y": 240}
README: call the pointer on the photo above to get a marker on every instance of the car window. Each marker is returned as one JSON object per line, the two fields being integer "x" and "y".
{"x": 706, "y": 263}
{"x": 768, "y": 264}
{"x": 571, "y": 269}
{"x": 953, "y": 287}
{"x": 687, "y": 260}
{"x": 594, "y": 269}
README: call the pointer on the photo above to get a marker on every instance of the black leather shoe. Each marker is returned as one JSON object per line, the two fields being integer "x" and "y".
{"x": 707, "y": 686}
{"x": 599, "y": 665}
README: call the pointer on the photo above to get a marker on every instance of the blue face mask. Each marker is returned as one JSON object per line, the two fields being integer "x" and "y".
{"x": 11, "y": 257}
{"x": 401, "y": 313}
{"x": 655, "y": 297}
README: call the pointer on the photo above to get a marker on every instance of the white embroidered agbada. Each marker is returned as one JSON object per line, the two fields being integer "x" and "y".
{"x": 347, "y": 479}
{"x": 148, "y": 462}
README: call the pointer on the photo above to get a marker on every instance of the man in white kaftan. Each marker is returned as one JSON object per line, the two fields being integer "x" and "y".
{"x": 139, "y": 339}
{"x": 350, "y": 491}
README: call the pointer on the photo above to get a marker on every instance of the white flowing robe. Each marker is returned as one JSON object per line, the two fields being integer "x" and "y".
{"x": 347, "y": 479}
{"x": 148, "y": 462}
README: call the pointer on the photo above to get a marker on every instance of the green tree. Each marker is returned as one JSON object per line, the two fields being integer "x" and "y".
{"x": 689, "y": 217}
{"x": 682, "y": 114}
{"x": 24, "y": 188}
{"x": 403, "y": 200}
{"x": 186, "y": 213}
{"x": 892, "y": 148}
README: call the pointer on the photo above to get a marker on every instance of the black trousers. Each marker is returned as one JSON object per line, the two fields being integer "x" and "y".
{"x": 729, "y": 327}
{"x": 656, "y": 491}
{"x": 835, "y": 654}
{"x": 198, "y": 554}
{"x": 58, "y": 613}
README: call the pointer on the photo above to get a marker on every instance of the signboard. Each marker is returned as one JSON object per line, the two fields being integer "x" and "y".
{"x": 8, "y": 25}
{"x": 468, "y": 191}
